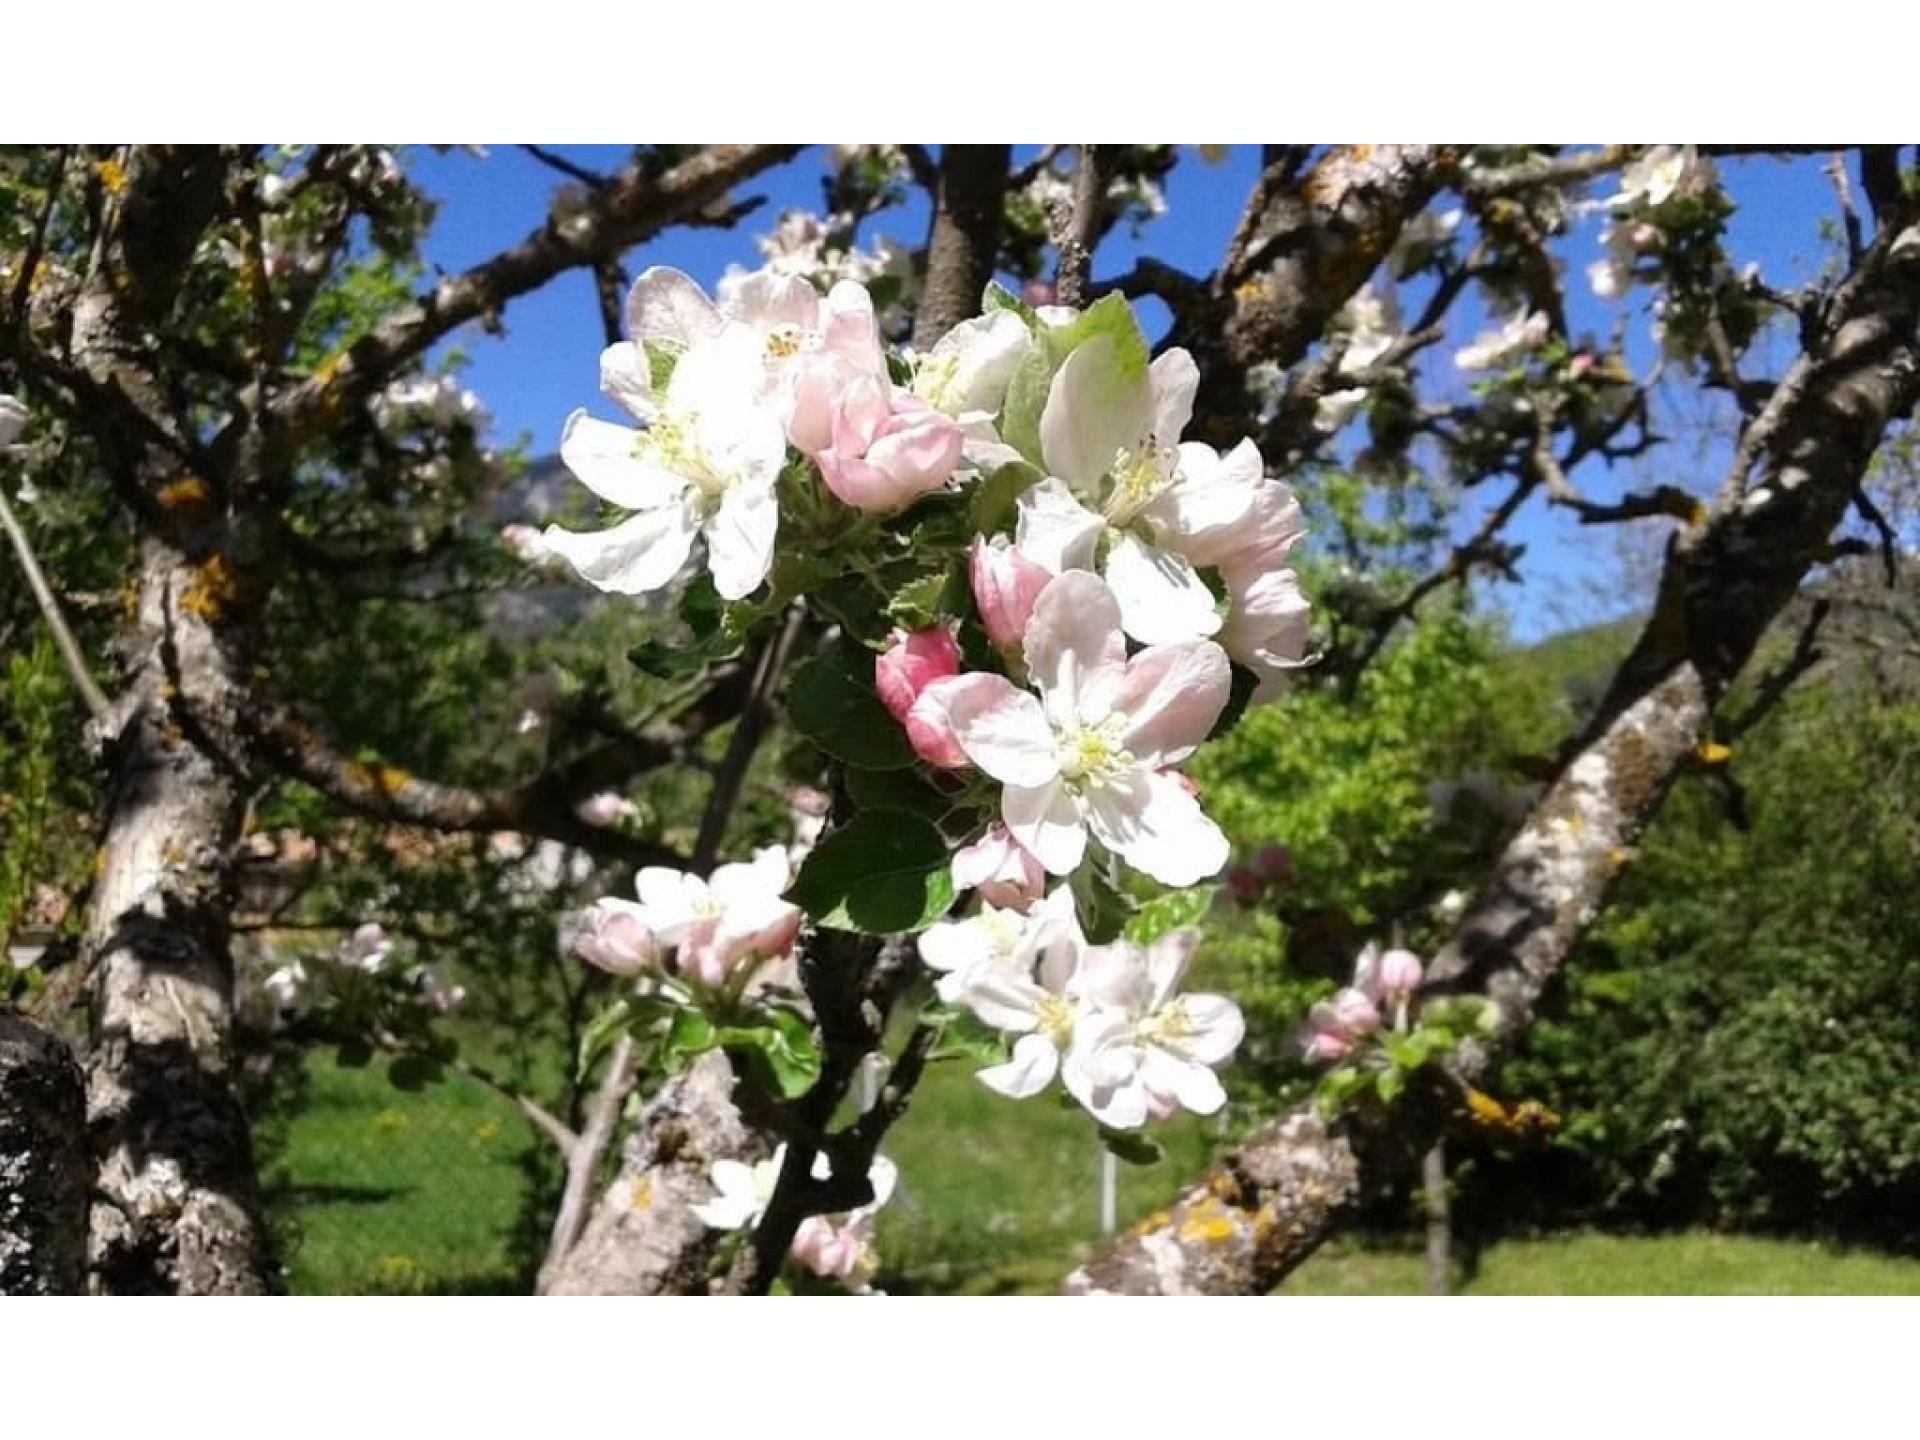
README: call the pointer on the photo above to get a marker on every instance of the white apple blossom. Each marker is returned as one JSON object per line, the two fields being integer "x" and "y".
{"x": 367, "y": 949}
{"x": 1092, "y": 753}
{"x": 287, "y": 986}
{"x": 1001, "y": 869}
{"x": 1522, "y": 331}
{"x": 1662, "y": 173}
{"x": 724, "y": 926}
{"x": 1110, "y": 443}
{"x": 705, "y": 466}
{"x": 996, "y": 942}
{"x": 966, "y": 375}
{"x": 1147, "y": 1050}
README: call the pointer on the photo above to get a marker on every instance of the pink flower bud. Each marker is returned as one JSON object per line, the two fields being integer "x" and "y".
{"x": 1325, "y": 1041}
{"x": 1005, "y": 873}
{"x": 1037, "y": 292}
{"x": 833, "y": 1252}
{"x": 612, "y": 938}
{"x": 1005, "y": 585}
{"x": 930, "y": 731}
{"x": 1354, "y": 1013}
{"x": 889, "y": 446}
{"x": 1400, "y": 972}
{"x": 912, "y": 662}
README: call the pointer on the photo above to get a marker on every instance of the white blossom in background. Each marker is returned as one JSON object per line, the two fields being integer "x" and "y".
{"x": 1421, "y": 239}
{"x": 1662, "y": 173}
{"x": 606, "y": 809}
{"x": 13, "y": 419}
{"x": 1092, "y": 753}
{"x": 367, "y": 949}
{"x": 741, "y": 1192}
{"x": 439, "y": 402}
{"x": 439, "y": 992}
{"x": 287, "y": 986}
{"x": 724, "y": 927}
{"x": 1522, "y": 332}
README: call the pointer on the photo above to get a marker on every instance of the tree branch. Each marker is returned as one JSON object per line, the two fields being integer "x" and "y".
{"x": 964, "y": 241}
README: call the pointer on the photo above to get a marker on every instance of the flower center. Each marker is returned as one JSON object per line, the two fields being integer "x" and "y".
{"x": 1003, "y": 931}
{"x": 936, "y": 382}
{"x": 1138, "y": 478}
{"x": 671, "y": 443}
{"x": 783, "y": 342}
{"x": 1093, "y": 755}
{"x": 1169, "y": 1026}
{"x": 1054, "y": 1015}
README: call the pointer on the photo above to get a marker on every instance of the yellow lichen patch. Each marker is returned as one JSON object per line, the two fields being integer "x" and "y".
{"x": 643, "y": 1193}
{"x": 391, "y": 779}
{"x": 1208, "y": 1222}
{"x": 1697, "y": 516}
{"x": 1155, "y": 1221}
{"x": 186, "y": 492}
{"x": 212, "y": 589}
{"x": 1709, "y": 752}
{"x": 111, "y": 174}
{"x": 1487, "y": 1110}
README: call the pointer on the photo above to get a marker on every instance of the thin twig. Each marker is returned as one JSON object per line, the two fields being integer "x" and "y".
{"x": 91, "y": 694}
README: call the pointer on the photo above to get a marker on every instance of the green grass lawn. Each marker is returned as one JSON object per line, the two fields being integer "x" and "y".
{"x": 376, "y": 1190}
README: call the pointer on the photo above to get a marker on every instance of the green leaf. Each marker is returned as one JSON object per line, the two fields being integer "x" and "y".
{"x": 1131, "y": 1146}
{"x": 885, "y": 872}
{"x": 1103, "y": 911}
{"x": 996, "y": 499}
{"x": 689, "y": 1034}
{"x": 600, "y": 1033}
{"x": 1172, "y": 911}
{"x": 998, "y": 297}
{"x": 1389, "y": 1085}
{"x": 781, "y": 1055}
{"x": 1109, "y": 318}
{"x": 907, "y": 790}
{"x": 833, "y": 703}
{"x": 920, "y": 603}
{"x": 353, "y": 1055}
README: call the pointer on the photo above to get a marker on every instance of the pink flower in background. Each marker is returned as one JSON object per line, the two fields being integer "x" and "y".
{"x": 728, "y": 922}
{"x": 614, "y": 936}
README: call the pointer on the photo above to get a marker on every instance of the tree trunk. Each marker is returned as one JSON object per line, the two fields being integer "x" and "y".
{"x": 176, "y": 1207}
{"x": 964, "y": 242}
{"x": 43, "y": 1164}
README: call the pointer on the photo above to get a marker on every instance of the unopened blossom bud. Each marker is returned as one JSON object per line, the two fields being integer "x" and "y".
{"x": 889, "y": 446}
{"x": 912, "y": 662}
{"x": 1354, "y": 1013}
{"x": 930, "y": 731}
{"x": 13, "y": 419}
{"x": 1400, "y": 972}
{"x": 1003, "y": 870}
{"x": 605, "y": 809}
{"x": 615, "y": 940}
{"x": 830, "y": 1251}
{"x": 1005, "y": 585}
{"x": 1325, "y": 1041}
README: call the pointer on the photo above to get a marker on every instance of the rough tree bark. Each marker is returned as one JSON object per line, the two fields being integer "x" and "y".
{"x": 43, "y": 1169}
{"x": 1266, "y": 1206}
{"x": 643, "y": 1237}
{"x": 176, "y": 1203}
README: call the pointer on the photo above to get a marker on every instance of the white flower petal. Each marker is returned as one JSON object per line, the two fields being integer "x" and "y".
{"x": 602, "y": 457}
{"x": 1073, "y": 640}
{"x": 740, "y": 538}
{"x": 1031, "y": 1070}
{"x": 1162, "y": 597}
{"x": 640, "y": 554}
{"x": 1046, "y": 819}
{"x": 626, "y": 379}
{"x": 1175, "y": 380}
{"x": 1093, "y": 412}
{"x": 1153, "y": 823}
{"x": 1002, "y": 729}
{"x": 1055, "y": 530}
{"x": 1173, "y": 696}
{"x": 665, "y": 304}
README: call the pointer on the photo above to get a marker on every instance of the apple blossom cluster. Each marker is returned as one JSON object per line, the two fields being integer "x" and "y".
{"x": 365, "y": 975}
{"x": 724, "y": 934}
{"x": 1380, "y": 993}
{"x": 833, "y": 1247}
{"x": 1108, "y": 1021}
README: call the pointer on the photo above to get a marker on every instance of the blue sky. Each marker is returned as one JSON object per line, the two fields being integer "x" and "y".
{"x": 544, "y": 365}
